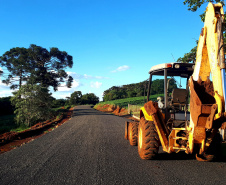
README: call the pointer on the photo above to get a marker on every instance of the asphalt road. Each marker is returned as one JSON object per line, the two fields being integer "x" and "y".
{"x": 91, "y": 149}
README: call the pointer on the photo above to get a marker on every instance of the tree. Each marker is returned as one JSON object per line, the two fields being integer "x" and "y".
{"x": 89, "y": 98}
{"x": 33, "y": 103}
{"x": 137, "y": 89}
{"x": 193, "y": 5}
{"x": 75, "y": 98}
{"x": 37, "y": 65}
{"x": 18, "y": 63}
{"x": 58, "y": 102}
{"x": 172, "y": 85}
{"x": 108, "y": 96}
{"x": 49, "y": 66}
{"x": 189, "y": 57}
{"x": 131, "y": 93}
{"x": 157, "y": 86}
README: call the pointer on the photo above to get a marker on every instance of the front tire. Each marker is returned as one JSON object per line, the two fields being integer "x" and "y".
{"x": 148, "y": 140}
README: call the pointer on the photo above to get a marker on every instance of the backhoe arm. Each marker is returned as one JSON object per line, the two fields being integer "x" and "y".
{"x": 207, "y": 98}
{"x": 210, "y": 52}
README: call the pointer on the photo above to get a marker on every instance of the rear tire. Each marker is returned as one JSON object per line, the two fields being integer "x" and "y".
{"x": 126, "y": 130}
{"x": 132, "y": 133}
{"x": 148, "y": 140}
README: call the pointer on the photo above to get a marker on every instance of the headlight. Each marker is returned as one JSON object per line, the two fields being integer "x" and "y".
{"x": 177, "y": 66}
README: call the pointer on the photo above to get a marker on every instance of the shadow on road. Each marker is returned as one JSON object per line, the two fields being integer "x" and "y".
{"x": 85, "y": 112}
{"x": 182, "y": 156}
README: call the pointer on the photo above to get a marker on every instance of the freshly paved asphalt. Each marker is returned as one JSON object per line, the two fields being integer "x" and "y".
{"x": 91, "y": 149}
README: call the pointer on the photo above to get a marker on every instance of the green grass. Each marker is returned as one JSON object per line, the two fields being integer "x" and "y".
{"x": 7, "y": 123}
{"x": 134, "y": 101}
{"x": 61, "y": 110}
{"x": 20, "y": 128}
{"x": 135, "y": 110}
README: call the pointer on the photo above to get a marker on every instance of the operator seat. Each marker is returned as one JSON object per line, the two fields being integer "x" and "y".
{"x": 179, "y": 98}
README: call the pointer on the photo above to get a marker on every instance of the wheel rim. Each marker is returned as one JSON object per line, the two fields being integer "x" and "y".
{"x": 140, "y": 137}
{"x": 130, "y": 134}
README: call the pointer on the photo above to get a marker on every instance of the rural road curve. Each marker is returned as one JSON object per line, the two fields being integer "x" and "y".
{"x": 91, "y": 149}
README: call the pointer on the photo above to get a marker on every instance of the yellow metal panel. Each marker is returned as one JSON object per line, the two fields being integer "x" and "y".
{"x": 147, "y": 117}
{"x": 212, "y": 45}
{"x": 219, "y": 101}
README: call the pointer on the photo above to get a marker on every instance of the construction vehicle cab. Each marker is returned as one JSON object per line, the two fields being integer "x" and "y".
{"x": 177, "y": 100}
{"x": 172, "y": 110}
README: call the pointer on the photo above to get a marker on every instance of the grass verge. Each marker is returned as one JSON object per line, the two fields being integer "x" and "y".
{"x": 7, "y": 123}
{"x": 134, "y": 101}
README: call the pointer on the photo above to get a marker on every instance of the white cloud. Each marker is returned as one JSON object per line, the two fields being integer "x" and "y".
{"x": 85, "y": 76}
{"x": 95, "y": 84}
{"x": 61, "y": 95}
{"x": 121, "y": 68}
{"x": 101, "y": 77}
{"x": 64, "y": 88}
{"x": 6, "y": 93}
{"x": 2, "y": 84}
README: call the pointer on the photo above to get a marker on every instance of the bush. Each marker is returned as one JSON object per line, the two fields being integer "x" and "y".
{"x": 33, "y": 104}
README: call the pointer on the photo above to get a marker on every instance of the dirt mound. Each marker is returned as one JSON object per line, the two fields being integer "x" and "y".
{"x": 111, "y": 108}
{"x": 117, "y": 110}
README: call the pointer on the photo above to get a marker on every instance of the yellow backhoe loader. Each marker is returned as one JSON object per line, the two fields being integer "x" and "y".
{"x": 188, "y": 119}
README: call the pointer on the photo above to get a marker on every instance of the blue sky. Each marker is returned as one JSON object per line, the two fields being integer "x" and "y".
{"x": 113, "y": 42}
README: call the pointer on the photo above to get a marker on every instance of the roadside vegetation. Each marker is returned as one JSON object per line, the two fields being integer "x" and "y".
{"x": 19, "y": 114}
{"x": 123, "y": 103}
{"x": 31, "y": 72}
{"x": 8, "y": 120}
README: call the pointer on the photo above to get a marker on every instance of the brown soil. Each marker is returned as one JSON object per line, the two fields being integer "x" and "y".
{"x": 116, "y": 110}
{"x": 11, "y": 140}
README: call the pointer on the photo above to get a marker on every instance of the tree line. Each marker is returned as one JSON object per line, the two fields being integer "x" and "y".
{"x": 76, "y": 98}
{"x": 137, "y": 89}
